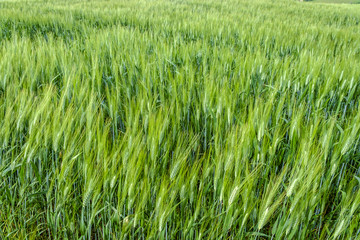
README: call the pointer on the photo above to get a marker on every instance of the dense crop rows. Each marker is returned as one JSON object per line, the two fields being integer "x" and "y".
{"x": 186, "y": 119}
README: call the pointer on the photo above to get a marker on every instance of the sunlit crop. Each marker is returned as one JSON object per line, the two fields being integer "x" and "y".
{"x": 179, "y": 119}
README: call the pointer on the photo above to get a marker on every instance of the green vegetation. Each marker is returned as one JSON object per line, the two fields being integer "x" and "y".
{"x": 182, "y": 119}
{"x": 337, "y": 1}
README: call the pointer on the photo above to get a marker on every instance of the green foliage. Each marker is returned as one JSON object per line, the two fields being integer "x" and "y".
{"x": 183, "y": 119}
{"x": 338, "y": 1}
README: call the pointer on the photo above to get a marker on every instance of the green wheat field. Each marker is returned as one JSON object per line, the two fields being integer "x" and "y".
{"x": 179, "y": 119}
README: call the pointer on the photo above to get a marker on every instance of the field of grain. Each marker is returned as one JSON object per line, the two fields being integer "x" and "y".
{"x": 337, "y": 1}
{"x": 179, "y": 119}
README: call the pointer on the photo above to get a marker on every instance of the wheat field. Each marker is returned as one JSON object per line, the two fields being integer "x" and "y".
{"x": 179, "y": 119}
